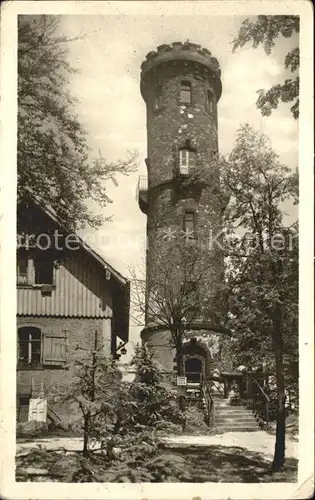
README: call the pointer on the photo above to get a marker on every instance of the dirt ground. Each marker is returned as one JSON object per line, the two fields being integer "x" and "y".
{"x": 231, "y": 457}
{"x": 258, "y": 441}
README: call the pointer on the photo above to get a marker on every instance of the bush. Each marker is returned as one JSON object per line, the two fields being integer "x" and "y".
{"x": 31, "y": 428}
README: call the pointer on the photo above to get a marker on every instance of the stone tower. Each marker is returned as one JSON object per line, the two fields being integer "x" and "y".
{"x": 181, "y": 86}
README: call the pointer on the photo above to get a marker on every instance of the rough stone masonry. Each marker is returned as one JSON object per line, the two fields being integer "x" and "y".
{"x": 181, "y": 86}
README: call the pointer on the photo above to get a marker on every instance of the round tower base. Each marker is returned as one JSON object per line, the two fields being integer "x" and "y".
{"x": 204, "y": 354}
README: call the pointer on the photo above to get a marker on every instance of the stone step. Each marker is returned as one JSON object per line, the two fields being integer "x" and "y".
{"x": 222, "y": 430}
{"x": 231, "y": 409}
{"x": 225, "y": 402}
{"x": 245, "y": 418}
{"x": 225, "y": 411}
{"x": 235, "y": 416}
{"x": 236, "y": 427}
{"x": 251, "y": 421}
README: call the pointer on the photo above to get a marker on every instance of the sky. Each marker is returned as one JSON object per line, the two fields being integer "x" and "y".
{"x": 110, "y": 106}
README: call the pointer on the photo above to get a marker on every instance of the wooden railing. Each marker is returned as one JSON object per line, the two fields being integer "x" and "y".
{"x": 261, "y": 404}
{"x": 218, "y": 387}
{"x": 260, "y": 388}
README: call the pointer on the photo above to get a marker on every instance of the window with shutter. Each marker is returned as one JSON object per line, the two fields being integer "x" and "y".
{"x": 29, "y": 346}
{"x": 55, "y": 349}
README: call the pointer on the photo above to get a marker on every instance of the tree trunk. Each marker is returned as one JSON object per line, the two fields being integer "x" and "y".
{"x": 87, "y": 417}
{"x": 86, "y": 435}
{"x": 279, "y": 455}
{"x": 180, "y": 364}
{"x": 181, "y": 373}
{"x": 277, "y": 341}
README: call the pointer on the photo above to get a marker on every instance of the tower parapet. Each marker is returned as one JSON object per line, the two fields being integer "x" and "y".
{"x": 177, "y": 54}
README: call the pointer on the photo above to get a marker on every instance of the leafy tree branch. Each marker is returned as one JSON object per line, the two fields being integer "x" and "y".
{"x": 265, "y": 31}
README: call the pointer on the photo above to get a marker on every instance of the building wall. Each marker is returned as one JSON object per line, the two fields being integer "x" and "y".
{"x": 214, "y": 357}
{"x": 81, "y": 331}
{"x": 166, "y": 212}
{"x": 78, "y": 291}
{"x": 159, "y": 344}
{"x": 84, "y": 296}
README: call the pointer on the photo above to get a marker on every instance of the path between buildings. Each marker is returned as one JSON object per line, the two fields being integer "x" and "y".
{"x": 258, "y": 441}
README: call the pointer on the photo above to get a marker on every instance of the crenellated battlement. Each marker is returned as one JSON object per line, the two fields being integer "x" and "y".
{"x": 184, "y": 52}
{"x": 179, "y": 50}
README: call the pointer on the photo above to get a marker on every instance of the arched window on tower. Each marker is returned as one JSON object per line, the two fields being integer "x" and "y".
{"x": 158, "y": 97}
{"x": 185, "y": 92}
{"x": 187, "y": 161}
{"x": 209, "y": 101}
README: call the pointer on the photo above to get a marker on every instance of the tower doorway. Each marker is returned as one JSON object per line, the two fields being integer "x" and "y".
{"x": 193, "y": 369}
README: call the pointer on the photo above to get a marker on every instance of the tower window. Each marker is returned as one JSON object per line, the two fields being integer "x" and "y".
{"x": 209, "y": 101}
{"x": 185, "y": 92}
{"x": 190, "y": 225}
{"x": 187, "y": 160}
{"x": 158, "y": 97}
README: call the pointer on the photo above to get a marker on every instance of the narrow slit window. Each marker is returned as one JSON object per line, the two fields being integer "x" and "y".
{"x": 210, "y": 101}
{"x": 190, "y": 224}
{"x": 185, "y": 92}
{"x": 158, "y": 97}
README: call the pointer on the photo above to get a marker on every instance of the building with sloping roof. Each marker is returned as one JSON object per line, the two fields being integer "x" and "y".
{"x": 66, "y": 295}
